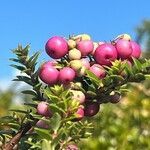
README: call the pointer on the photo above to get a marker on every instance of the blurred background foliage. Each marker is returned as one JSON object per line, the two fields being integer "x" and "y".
{"x": 122, "y": 126}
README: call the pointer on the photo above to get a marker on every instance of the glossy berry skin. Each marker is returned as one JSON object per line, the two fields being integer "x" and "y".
{"x": 66, "y": 75}
{"x": 136, "y": 49}
{"x": 91, "y": 109}
{"x": 43, "y": 109}
{"x": 42, "y": 124}
{"x": 98, "y": 70}
{"x": 124, "y": 49}
{"x": 48, "y": 74}
{"x": 85, "y": 47}
{"x": 56, "y": 47}
{"x": 115, "y": 98}
{"x": 105, "y": 53}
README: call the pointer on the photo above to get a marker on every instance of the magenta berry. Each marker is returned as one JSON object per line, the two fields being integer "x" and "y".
{"x": 56, "y": 47}
{"x": 43, "y": 109}
{"x": 105, "y": 53}
{"x": 136, "y": 49}
{"x": 98, "y": 70}
{"x": 66, "y": 75}
{"x": 85, "y": 47}
{"x": 91, "y": 109}
{"x": 48, "y": 74}
{"x": 124, "y": 49}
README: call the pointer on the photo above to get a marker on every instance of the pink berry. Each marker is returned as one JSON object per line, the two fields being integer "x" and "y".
{"x": 71, "y": 147}
{"x": 49, "y": 74}
{"x": 136, "y": 49}
{"x": 43, "y": 109}
{"x": 91, "y": 109}
{"x": 42, "y": 124}
{"x": 85, "y": 47}
{"x": 124, "y": 49}
{"x": 85, "y": 63}
{"x": 56, "y": 47}
{"x": 105, "y": 53}
{"x": 49, "y": 63}
{"x": 79, "y": 114}
{"x": 66, "y": 75}
{"x": 98, "y": 70}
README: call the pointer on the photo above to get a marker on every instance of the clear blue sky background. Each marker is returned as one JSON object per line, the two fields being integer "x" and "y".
{"x": 34, "y": 21}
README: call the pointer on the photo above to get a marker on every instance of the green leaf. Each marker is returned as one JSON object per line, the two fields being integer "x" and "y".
{"x": 7, "y": 119}
{"x": 137, "y": 64}
{"x": 93, "y": 77}
{"x": 43, "y": 133}
{"x": 147, "y": 76}
{"x": 46, "y": 145}
{"x": 15, "y": 60}
{"x": 24, "y": 79}
{"x": 21, "y": 68}
{"x": 30, "y": 92}
{"x": 19, "y": 111}
{"x": 55, "y": 122}
{"x": 56, "y": 108}
{"x": 51, "y": 96}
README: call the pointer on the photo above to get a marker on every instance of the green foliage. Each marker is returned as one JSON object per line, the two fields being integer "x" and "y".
{"x": 63, "y": 127}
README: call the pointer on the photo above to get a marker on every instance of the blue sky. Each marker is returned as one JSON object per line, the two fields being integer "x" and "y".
{"x": 34, "y": 21}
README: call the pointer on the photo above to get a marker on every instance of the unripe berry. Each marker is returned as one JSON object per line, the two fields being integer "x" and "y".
{"x": 43, "y": 109}
{"x": 91, "y": 109}
{"x": 48, "y": 74}
{"x": 56, "y": 47}
{"x": 71, "y": 43}
{"x": 85, "y": 47}
{"x": 74, "y": 54}
{"x": 75, "y": 64}
{"x": 81, "y": 37}
{"x": 95, "y": 47}
{"x": 124, "y": 37}
{"x": 66, "y": 75}
{"x": 79, "y": 96}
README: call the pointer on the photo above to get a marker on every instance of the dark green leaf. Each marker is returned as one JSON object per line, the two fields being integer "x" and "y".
{"x": 30, "y": 92}
{"x": 21, "y": 68}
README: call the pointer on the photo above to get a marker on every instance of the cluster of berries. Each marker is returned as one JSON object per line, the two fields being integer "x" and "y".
{"x": 73, "y": 56}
